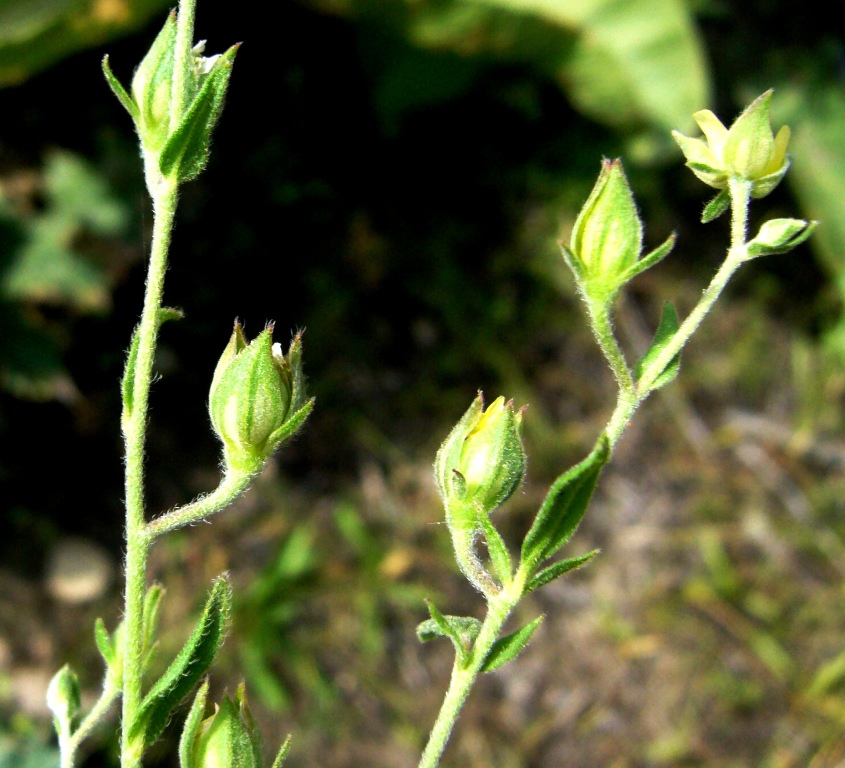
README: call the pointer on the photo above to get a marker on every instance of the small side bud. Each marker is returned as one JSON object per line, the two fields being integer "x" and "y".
{"x": 257, "y": 398}
{"x": 63, "y": 699}
{"x": 483, "y": 460}
{"x": 780, "y": 236}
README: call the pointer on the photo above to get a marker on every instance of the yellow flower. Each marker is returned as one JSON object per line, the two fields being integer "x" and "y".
{"x": 749, "y": 150}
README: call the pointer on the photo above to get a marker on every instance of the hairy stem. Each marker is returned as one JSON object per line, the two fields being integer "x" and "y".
{"x": 135, "y": 428}
{"x": 499, "y": 608}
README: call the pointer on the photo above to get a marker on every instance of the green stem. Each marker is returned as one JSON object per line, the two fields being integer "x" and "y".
{"x": 182, "y": 61}
{"x": 232, "y": 486}
{"x": 626, "y": 406}
{"x": 603, "y": 330}
{"x": 98, "y": 711}
{"x": 499, "y": 608}
{"x": 135, "y": 427}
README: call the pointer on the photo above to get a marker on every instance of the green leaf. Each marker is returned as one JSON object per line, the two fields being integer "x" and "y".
{"x": 187, "y": 668}
{"x": 716, "y": 207}
{"x": 104, "y": 641}
{"x": 166, "y": 314}
{"x": 650, "y": 259}
{"x": 185, "y": 153}
{"x": 282, "y": 753}
{"x": 563, "y": 508}
{"x": 666, "y": 329}
{"x": 461, "y": 630}
{"x": 499, "y": 555}
{"x": 118, "y": 90}
{"x": 191, "y": 727}
{"x": 557, "y": 570}
{"x": 152, "y": 610}
{"x": 508, "y": 648}
{"x": 127, "y": 383}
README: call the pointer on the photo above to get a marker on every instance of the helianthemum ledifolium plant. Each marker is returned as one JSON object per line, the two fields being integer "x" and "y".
{"x": 257, "y": 401}
{"x": 482, "y": 462}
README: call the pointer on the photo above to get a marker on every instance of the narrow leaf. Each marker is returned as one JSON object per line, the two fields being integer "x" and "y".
{"x": 508, "y": 648}
{"x": 185, "y": 153}
{"x": 166, "y": 314}
{"x": 283, "y": 753}
{"x": 127, "y": 385}
{"x": 118, "y": 90}
{"x": 499, "y": 555}
{"x": 461, "y": 630}
{"x": 152, "y": 610}
{"x": 191, "y": 727}
{"x": 187, "y": 668}
{"x": 650, "y": 259}
{"x": 666, "y": 329}
{"x": 716, "y": 207}
{"x": 104, "y": 642}
{"x": 563, "y": 507}
{"x": 558, "y": 569}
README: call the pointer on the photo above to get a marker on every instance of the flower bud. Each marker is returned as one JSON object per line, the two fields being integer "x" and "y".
{"x": 257, "y": 398}
{"x": 63, "y": 698}
{"x": 152, "y": 85}
{"x": 780, "y": 236}
{"x": 749, "y": 150}
{"x": 483, "y": 460}
{"x": 226, "y": 739}
{"x": 607, "y": 239}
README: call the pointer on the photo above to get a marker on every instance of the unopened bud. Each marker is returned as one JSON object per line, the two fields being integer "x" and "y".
{"x": 257, "y": 398}
{"x": 483, "y": 460}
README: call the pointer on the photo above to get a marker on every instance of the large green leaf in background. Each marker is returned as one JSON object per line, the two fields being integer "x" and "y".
{"x": 37, "y": 33}
{"x": 816, "y": 115}
{"x": 630, "y": 64}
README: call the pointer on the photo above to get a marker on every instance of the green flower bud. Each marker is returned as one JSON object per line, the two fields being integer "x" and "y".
{"x": 607, "y": 239}
{"x": 63, "y": 699}
{"x": 780, "y": 236}
{"x": 151, "y": 88}
{"x": 257, "y": 398}
{"x": 482, "y": 462}
{"x": 749, "y": 150}
{"x": 226, "y": 739}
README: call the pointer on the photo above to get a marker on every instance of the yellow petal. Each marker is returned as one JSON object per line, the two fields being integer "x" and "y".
{"x": 713, "y": 129}
{"x": 779, "y": 153}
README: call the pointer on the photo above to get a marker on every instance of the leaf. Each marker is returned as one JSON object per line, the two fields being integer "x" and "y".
{"x": 666, "y": 330}
{"x": 191, "y": 727}
{"x": 557, "y": 570}
{"x": 187, "y": 668}
{"x": 127, "y": 383}
{"x": 461, "y": 630}
{"x": 716, "y": 207}
{"x": 152, "y": 610}
{"x": 104, "y": 641}
{"x": 508, "y": 648}
{"x": 118, "y": 90}
{"x": 185, "y": 153}
{"x": 499, "y": 555}
{"x": 283, "y": 753}
{"x": 563, "y": 508}
{"x": 166, "y": 314}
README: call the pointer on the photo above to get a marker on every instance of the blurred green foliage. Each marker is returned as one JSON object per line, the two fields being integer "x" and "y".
{"x": 37, "y": 33}
{"x": 43, "y": 227}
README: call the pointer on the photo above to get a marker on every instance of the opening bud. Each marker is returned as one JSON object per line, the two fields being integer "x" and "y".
{"x": 257, "y": 398}
{"x": 749, "y": 150}
{"x": 482, "y": 462}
